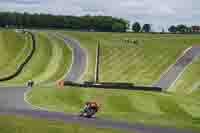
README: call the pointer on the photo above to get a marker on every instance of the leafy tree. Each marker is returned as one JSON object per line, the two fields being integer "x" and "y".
{"x": 182, "y": 28}
{"x": 146, "y": 28}
{"x": 118, "y": 27}
{"x": 172, "y": 28}
{"x": 136, "y": 27}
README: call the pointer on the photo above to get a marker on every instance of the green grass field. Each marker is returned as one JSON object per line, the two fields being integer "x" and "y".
{"x": 50, "y": 61}
{"x": 14, "y": 48}
{"x": 22, "y": 124}
{"x": 119, "y": 62}
{"x": 88, "y": 42}
{"x": 127, "y": 62}
{"x": 189, "y": 81}
{"x": 133, "y": 106}
{"x": 142, "y": 64}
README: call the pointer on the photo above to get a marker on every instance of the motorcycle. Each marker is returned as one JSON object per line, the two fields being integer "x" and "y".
{"x": 89, "y": 110}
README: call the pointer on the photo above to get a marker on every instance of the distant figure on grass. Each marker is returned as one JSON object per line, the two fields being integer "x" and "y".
{"x": 30, "y": 83}
{"x": 60, "y": 83}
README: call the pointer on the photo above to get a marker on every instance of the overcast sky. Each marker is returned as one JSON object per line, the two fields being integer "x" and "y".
{"x": 160, "y": 13}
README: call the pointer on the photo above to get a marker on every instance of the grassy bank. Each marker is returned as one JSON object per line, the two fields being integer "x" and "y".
{"x": 88, "y": 42}
{"x": 140, "y": 63}
{"x": 189, "y": 81}
{"x": 50, "y": 61}
{"x": 134, "y": 106}
{"x": 14, "y": 49}
{"x": 124, "y": 61}
{"x": 22, "y": 124}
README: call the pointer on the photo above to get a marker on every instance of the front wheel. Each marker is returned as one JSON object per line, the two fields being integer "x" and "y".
{"x": 81, "y": 115}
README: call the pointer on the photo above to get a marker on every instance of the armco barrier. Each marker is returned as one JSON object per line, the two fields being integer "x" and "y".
{"x": 21, "y": 66}
{"x": 122, "y": 86}
{"x": 97, "y": 63}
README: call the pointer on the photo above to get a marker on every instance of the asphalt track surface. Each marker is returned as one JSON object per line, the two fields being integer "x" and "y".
{"x": 175, "y": 70}
{"x": 79, "y": 61}
{"x": 12, "y": 103}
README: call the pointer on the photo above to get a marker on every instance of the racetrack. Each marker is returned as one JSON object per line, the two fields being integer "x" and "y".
{"x": 79, "y": 60}
{"x": 101, "y": 123}
{"x": 12, "y": 101}
{"x": 175, "y": 70}
{"x": 12, "y": 98}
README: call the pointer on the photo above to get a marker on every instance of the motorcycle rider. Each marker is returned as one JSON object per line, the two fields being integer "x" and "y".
{"x": 90, "y": 108}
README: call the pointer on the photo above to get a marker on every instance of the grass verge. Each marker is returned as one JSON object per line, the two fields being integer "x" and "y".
{"x": 133, "y": 106}
{"x": 50, "y": 61}
{"x": 123, "y": 61}
{"x": 22, "y": 124}
{"x": 14, "y": 48}
{"x": 189, "y": 82}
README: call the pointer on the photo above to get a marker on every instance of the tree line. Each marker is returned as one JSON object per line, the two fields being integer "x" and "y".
{"x": 86, "y": 23}
{"x": 89, "y": 23}
{"x": 136, "y": 27}
{"x": 184, "y": 29}
{"x": 181, "y": 28}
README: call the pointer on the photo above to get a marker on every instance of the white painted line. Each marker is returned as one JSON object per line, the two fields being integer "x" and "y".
{"x": 183, "y": 71}
{"x": 168, "y": 69}
{"x": 195, "y": 87}
{"x": 87, "y": 62}
{"x": 87, "y": 65}
{"x": 33, "y": 106}
{"x": 174, "y": 82}
{"x": 85, "y": 52}
{"x": 57, "y": 35}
